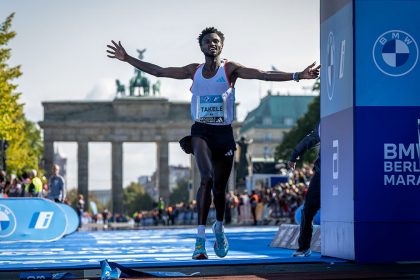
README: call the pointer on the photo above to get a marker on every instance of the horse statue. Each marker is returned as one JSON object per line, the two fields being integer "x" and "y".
{"x": 140, "y": 82}
{"x": 120, "y": 88}
{"x": 141, "y": 52}
{"x": 156, "y": 88}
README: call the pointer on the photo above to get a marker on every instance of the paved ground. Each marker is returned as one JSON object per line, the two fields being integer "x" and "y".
{"x": 169, "y": 250}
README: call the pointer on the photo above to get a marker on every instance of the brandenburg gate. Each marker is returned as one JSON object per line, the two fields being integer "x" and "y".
{"x": 126, "y": 119}
{"x": 138, "y": 117}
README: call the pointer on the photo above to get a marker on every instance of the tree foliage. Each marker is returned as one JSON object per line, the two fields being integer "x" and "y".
{"x": 303, "y": 126}
{"x": 25, "y": 152}
{"x": 24, "y": 137}
{"x": 11, "y": 112}
{"x": 136, "y": 199}
{"x": 180, "y": 193}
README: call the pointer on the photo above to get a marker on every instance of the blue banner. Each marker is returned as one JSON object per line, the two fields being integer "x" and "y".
{"x": 388, "y": 164}
{"x": 387, "y": 181}
{"x": 387, "y": 46}
{"x": 337, "y": 167}
{"x": 336, "y": 60}
{"x": 337, "y": 185}
{"x": 337, "y": 129}
{"x": 370, "y": 129}
{"x": 34, "y": 219}
{"x": 72, "y": 218}
{"x": 387, "y": 136}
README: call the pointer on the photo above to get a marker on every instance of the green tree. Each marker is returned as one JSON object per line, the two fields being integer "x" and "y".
{"x": 136, "y": 199}
{"x": 11, "y": 112}
{"x": 71, "y": 197}
{"x": 25, "y": 152}
{"x": 24, "y": 137}
{"x": 180, "y": 192}
{"x": 303, "y": 126}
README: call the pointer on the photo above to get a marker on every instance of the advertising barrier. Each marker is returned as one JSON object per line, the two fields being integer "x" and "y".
{"x": 35, "y": 220}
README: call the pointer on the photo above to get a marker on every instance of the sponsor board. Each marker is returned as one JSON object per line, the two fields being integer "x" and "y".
{"x": 34, "y": 220}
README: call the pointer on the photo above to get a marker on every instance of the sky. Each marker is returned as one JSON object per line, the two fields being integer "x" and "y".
{"x": 61, "y": 47}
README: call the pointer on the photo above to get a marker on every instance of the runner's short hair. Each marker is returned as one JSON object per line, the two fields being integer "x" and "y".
{"x": 209, "y": 30}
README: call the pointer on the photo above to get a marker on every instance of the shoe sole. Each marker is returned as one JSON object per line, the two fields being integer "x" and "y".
{"x": 200, "y": 257}
{"x": 302, "y": 256}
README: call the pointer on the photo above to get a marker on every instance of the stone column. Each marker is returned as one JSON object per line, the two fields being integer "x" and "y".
{"x": 48, "y": 157}
{"x": 162, "y": 178}
{"x": 117, "y": 182}
{"x": 83, "y": 171}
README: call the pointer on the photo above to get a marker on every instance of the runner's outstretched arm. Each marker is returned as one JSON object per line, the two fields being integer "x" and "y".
{"x": 186, "y": 72}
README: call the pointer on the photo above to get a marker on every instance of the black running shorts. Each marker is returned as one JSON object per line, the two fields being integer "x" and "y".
{"x": 219, "y": 138}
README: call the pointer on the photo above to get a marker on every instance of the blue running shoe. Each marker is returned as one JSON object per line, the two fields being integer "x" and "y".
{"x": 200, "y": 249}
{"x": 302, "y": 253}
{"x": 221, "y": 245}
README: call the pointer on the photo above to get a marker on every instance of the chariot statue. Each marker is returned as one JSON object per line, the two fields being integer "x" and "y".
{"x": 156, "y": 88}
{"x": 139, "y": 85}
{"x": 139, "y": 81}
{"x": 120, "y": 88}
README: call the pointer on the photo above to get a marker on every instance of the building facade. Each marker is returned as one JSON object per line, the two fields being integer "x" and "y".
{"x": 266, "y": 125}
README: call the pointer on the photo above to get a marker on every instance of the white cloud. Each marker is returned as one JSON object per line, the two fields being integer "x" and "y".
{"x": 104, "y": 89}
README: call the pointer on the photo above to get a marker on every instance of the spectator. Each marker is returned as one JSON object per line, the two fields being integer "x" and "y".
{"x": 35, "y": 185}
{"x": 254, "y": 199}
{"x": 161, "y": 209}
{"x": 105, "y": 216}
{"x": 15, "y": 189}
{"x": 56, "y": 185}
{"x": 228, "y": 209}
{"x": 80, "y": 208}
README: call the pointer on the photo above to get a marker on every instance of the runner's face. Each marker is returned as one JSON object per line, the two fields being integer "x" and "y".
{"x": 211, "y": 45}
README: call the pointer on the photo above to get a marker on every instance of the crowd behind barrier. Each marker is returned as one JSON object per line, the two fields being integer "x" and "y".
{"x": 27, "y": 185}
{"x": 263, "y": 206}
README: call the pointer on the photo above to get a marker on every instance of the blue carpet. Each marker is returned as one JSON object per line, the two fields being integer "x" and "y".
{"x": 147, "y": 248}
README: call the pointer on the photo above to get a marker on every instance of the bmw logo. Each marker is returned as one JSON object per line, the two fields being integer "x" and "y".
{"x": 395, "y": 53}
{"x": 330, "y": 65}
{"x": 7, "y": 221}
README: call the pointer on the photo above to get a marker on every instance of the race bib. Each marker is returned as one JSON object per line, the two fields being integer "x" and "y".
{"x": 211, "y": 109}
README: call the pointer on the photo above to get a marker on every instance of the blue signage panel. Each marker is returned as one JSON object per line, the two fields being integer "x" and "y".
{"x": 387, "y": 184}
{"x": 385, "y": 112}
{"x": 388, "y": 164}
{"x": 387, "y": 47}
{"x": 337, "y": 129}
{"x": 31, "y": 219}
{"x": 337, "y": 199}
{"x": 336, "y": 59}
{"x": 386, "y": 242}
